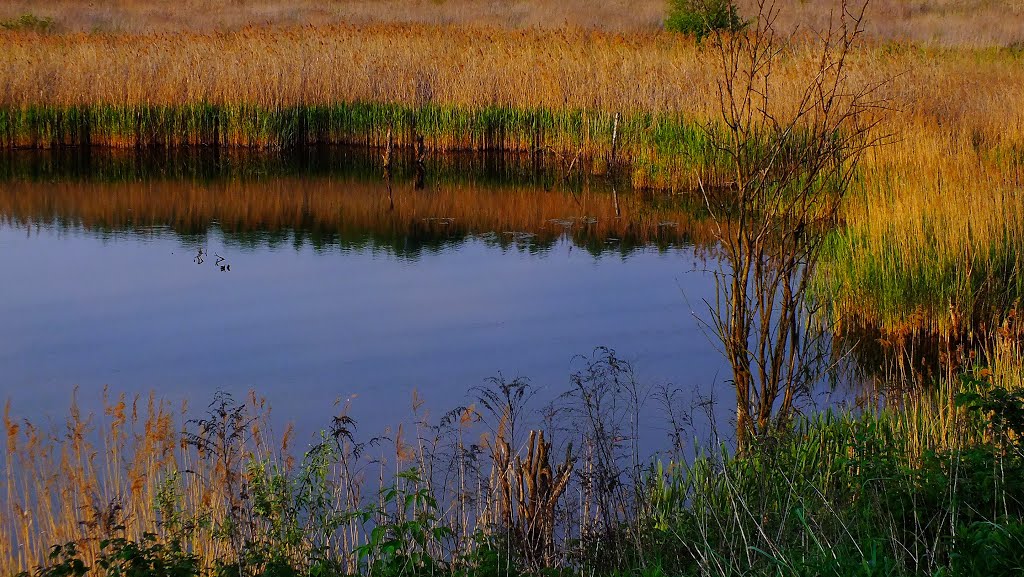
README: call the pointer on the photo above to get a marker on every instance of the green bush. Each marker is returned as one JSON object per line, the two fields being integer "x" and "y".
{"x": 28, "y": 22}
{"x": 122, "y": 557}
{"x": 702, "y": 17}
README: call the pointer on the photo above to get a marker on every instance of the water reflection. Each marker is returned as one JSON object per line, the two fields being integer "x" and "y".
{"x": 355, "y": 211}
{"x": 337, "y": 288}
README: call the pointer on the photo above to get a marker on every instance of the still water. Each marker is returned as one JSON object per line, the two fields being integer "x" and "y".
{"x": 311, "y": 281}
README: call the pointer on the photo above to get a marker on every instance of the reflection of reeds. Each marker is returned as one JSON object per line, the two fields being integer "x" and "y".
{"x": 351, "y": 213}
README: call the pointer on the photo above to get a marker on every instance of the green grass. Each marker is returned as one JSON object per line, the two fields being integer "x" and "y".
{"x": 29, "y": 22}
{"x": 911, "y": 490}
{"x": 878, "y": 286}
{"x": 664, "y": 150}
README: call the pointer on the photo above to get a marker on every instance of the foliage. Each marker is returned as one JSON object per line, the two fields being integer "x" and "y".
{"x": 64, "y": 562}
{"x": 409, "y": 534}
{"x": 121, "y": 557}
{"x": 842, "y": 494}
{"x": 702, "y": 17}
{"x": 29, "y": 22}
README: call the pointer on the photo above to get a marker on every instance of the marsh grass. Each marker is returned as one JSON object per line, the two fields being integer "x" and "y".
{"x": 223, "y": 487}
{"x": 948, "y": 262}
{"x": 926, "y": 484}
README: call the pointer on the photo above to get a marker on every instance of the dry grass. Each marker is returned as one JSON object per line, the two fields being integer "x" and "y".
{"x": 199, "y": 15}
{"x": 128, "y": 471}
{"x": 471, "y": 66}
{"x": 461, "y": 66}
{"x": 223, "y": 483}
{"x": 938, "y": 22}
{"x": 64, "y": 483}
{"x": 934, "y": 22}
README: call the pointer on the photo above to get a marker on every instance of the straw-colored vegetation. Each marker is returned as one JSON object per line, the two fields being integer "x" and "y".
{"x": 213, "y": 15}
{"x": 937, "y": 22}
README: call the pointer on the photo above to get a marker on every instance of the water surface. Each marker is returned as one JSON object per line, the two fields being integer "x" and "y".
{"x": 312, "y": 281}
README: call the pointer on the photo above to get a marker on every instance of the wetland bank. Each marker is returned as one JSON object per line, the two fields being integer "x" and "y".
{"x": 199, "y": 204}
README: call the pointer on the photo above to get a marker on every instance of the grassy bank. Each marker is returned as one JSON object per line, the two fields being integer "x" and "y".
{"x": 929, "y": 485}
{"x": 662, "y": 150}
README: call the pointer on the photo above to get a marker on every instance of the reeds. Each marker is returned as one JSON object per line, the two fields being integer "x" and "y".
{"x": 222, "y": 486}
{"x": 466, "y": 492}
{"x": 68, "y": 483}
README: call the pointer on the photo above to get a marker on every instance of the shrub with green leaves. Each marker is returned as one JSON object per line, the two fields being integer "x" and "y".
{"x": 28, "y": 22}
{"x": 122, "y": 557}
{"x": 408, "y": 533}
{"x": 702, "y": 17}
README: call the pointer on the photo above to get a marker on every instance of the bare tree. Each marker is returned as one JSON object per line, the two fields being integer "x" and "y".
{"x": 790, "y": 161}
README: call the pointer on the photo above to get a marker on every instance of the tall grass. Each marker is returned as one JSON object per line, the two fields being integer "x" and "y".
{"x": 940, "y": 254}
{"x": 927, "y": 484}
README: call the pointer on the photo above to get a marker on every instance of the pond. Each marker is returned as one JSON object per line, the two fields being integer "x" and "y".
{"x": 313, "y": 282}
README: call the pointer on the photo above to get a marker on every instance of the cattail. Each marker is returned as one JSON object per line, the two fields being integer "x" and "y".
{"x": 403, "y": 451}
{"x": 12, "y": 428}
{"x": 286, "y": 440}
